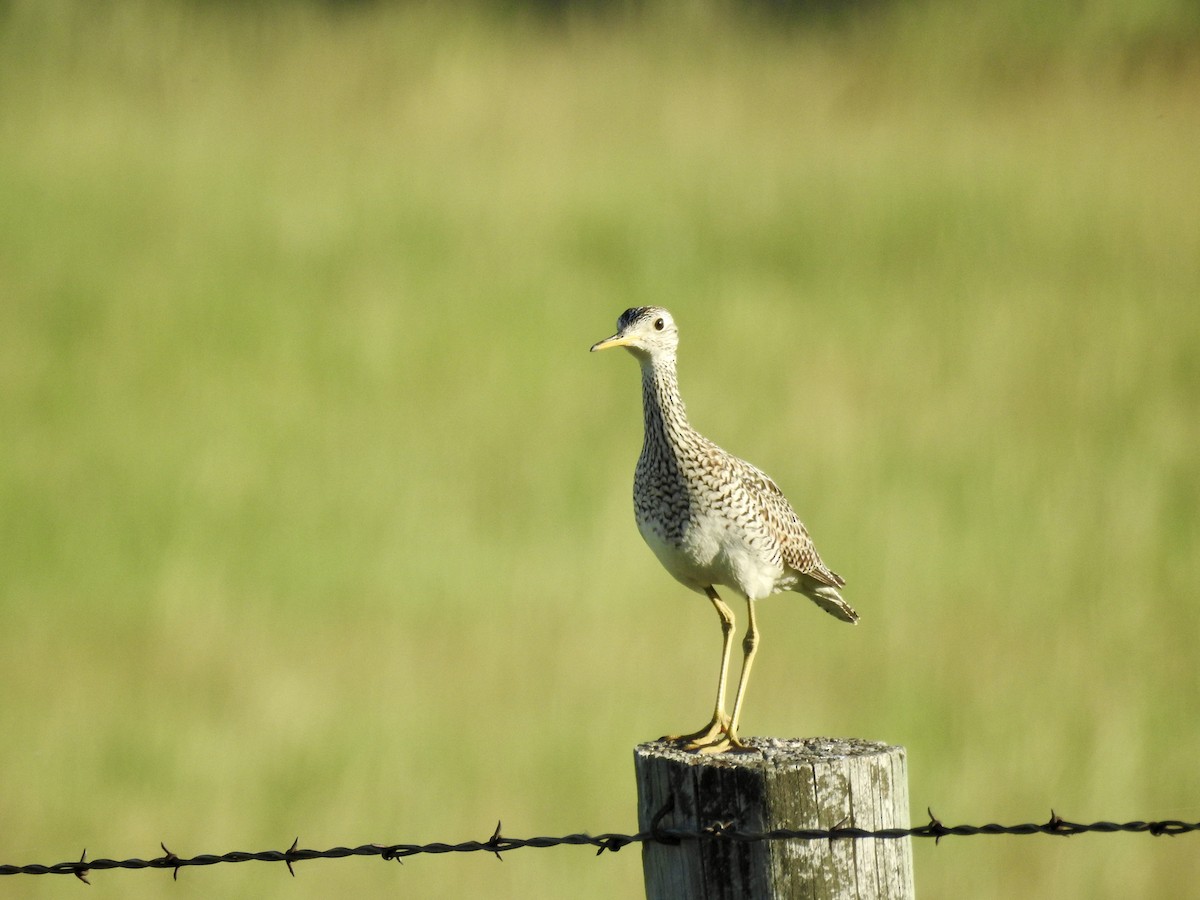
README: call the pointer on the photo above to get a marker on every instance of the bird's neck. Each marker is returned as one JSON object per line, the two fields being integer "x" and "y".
{"x": 665, "y": 417}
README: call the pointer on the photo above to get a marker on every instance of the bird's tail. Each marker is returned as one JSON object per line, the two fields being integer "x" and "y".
{"x": 827, "y": 597}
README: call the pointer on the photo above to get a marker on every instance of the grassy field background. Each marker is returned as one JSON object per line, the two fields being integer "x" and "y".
{"x": 315, "y": 511}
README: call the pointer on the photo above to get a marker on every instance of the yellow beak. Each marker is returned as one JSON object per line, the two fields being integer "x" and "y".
{"x": 617, "y": 340}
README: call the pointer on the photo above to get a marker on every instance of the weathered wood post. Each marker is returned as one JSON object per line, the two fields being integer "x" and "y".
{"x": 817, "y": 783}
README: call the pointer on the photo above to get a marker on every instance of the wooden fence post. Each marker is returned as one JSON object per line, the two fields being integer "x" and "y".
{"x": 818, "y": 783}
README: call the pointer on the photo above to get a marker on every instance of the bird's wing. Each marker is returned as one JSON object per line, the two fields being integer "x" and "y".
{"x": 795, "y": 545}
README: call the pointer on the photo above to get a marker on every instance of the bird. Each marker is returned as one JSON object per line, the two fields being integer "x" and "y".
{"x": 713, "y": 519}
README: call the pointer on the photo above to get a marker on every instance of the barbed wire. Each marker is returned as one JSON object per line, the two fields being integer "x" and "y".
{"x": 499, "y": 844}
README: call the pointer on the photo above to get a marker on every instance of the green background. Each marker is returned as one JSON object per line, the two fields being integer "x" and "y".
{"x": 315, "y": 511}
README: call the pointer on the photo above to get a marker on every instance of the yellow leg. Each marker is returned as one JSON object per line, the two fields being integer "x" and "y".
{"x": 718, "y": 726}
{"x": 749, "y": 648}
{"x": 729, "y": 740}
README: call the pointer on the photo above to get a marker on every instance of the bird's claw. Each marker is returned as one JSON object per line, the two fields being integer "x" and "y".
{"x": 715, "y": 737}
{"x": 718, "y": 726}
{"x": 725, "y": 744}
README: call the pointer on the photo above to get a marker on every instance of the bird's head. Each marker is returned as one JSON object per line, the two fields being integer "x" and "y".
{"x": 645, "y": 331}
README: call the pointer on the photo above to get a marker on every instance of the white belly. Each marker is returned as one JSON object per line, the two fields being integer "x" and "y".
{"x": 711, "y": 553}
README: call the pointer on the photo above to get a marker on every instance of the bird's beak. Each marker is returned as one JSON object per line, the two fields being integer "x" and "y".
{"x": 617, "y": 340}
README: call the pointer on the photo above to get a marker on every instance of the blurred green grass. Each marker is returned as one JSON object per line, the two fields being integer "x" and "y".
{"x": 314, "y": 509}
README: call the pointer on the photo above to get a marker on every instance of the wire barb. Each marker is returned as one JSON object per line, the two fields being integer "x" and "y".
{"x": 387, "y": 854}
{"x": 1057, "y": 825}
{"x": 288, "y": 859}
{"x": 614, "y": 842}
{"x": 838, "y": 827}
{"x": 169, "y": 858}
{"x": 493, "y": 843}
{"x": 935, "y": 827}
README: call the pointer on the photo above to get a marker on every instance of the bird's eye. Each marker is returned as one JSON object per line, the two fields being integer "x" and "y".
{"x": 659, "y": 324}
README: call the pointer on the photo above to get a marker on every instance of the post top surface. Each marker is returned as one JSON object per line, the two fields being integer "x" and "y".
{"x": 772, "y": 751}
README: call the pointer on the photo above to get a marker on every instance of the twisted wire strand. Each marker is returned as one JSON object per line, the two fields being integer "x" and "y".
{"x": 612, "y": 842}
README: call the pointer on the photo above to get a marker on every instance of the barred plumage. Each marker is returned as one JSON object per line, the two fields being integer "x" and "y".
{"x": 710, "y": 517}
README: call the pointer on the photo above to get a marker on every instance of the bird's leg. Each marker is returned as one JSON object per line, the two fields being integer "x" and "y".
{"x": 719, "y": 725}
{"x": 730, "y": 740}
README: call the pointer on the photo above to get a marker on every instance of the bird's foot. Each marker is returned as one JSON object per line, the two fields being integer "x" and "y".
{"x": 718, "y": 726}
{"x": 727, "y": 743}
{"x": 717, "y": 736}
{"x": 724, "y": 745}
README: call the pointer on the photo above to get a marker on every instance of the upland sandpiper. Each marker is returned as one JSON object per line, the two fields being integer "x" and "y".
{"x": 712, "y": 518}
